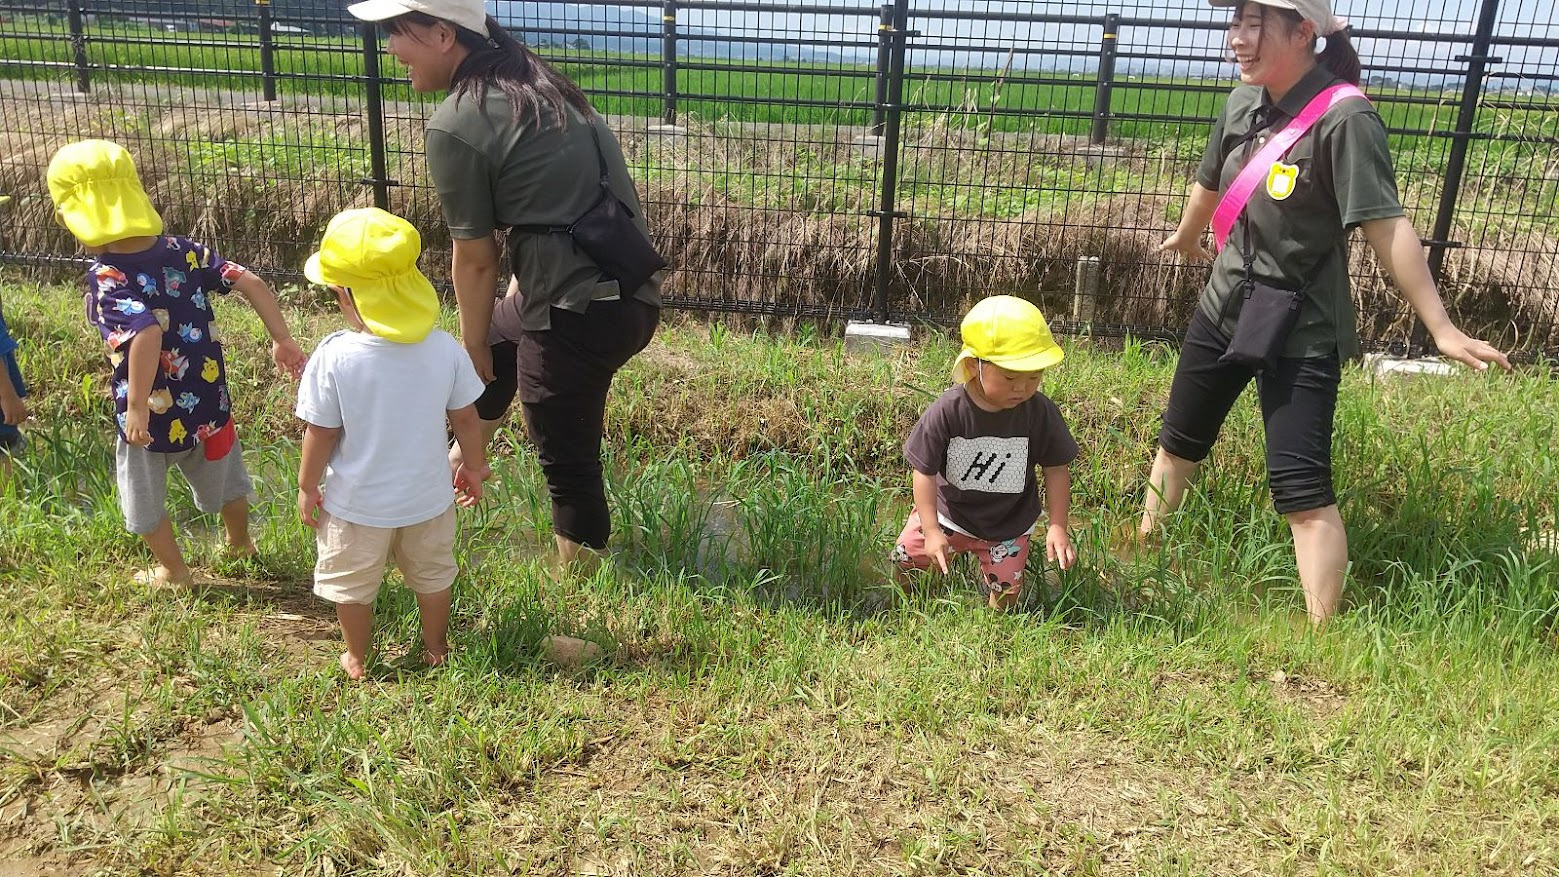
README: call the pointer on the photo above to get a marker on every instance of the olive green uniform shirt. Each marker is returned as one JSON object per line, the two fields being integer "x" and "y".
{"x": 1341, "y": 176}
{"x": 492, "y": 171}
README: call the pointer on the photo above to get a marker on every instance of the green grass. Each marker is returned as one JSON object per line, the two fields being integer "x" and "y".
{"x": 767, "y": 705}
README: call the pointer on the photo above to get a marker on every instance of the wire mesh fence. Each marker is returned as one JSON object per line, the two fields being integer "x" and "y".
{"x": 841, "y": 160}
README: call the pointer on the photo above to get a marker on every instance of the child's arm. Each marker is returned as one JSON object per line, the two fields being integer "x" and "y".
{"x": 1058, "y": 508}
{"x": 145, "y": 359}
{"x": 319, "y": 443}
{"x": 12, "y": 405}
{"x": 925, "y": 506}
{"x": 473, "y": 469}
{"x": 286, "y": 353}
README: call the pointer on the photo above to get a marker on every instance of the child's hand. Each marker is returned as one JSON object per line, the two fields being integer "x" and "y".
{"x": 468, "y": 483}
{"x": 137, "y": 420}
{"x": 1058, "y": 547}
{"x": 938, "y": 548}
{"x": 311, "y": 503}
{"x": 14, "y": 408}
{"x": 289, "y": 357}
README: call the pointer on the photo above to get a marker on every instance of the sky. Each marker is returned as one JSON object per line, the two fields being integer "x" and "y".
{"x": 1535, "y": 18}
{"x": 989, "y": 35}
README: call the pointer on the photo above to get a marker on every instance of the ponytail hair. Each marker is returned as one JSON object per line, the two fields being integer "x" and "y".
{"x": 1340, "y": 57}
{"x": 503, "y": 62}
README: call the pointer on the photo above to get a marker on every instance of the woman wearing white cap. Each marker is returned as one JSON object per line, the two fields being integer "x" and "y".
{"x": 517, "y": 146}
{"x": 1285, "y": 271}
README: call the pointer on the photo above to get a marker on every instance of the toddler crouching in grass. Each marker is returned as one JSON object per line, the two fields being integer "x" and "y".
{"x": 375, "y": 398}
{"x": 975, "y": 449}
{"x": 151, "y": 296}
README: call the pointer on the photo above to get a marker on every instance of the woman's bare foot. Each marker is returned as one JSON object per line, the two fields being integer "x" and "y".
{"x": 161, "y": 577}
{"x": 354, "y": 668}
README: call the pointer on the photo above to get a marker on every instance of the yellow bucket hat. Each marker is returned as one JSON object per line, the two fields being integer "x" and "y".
{"x": 98, "y": 195}
{"x": 1009, "y": 332}
{"x": 374, "y": 254}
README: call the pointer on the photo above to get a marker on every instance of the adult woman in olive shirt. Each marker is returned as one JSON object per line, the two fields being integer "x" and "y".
{"x": 516, "y": 143}
{"x": 1295, "y": 237}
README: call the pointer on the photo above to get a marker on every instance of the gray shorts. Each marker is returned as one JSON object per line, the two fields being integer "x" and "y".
{"x": 143, "y": 482}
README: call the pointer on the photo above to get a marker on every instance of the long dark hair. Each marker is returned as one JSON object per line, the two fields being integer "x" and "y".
{"x": 1339, "y": 56}
{"x": 502, "y": 62}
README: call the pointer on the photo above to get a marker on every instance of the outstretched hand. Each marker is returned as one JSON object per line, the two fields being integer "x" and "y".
{"x": 468, "y": 483}
{"x": 289, "y": 358}
{"x": 1186, "y": 245}
{"x": 1471, "y": 352}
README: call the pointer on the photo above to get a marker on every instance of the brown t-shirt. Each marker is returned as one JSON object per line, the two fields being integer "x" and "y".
{"x": 984, "y": 461}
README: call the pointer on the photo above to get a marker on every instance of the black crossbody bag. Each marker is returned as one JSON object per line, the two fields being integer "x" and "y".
{"x": 1267, "y": 317}
{"x": 607, "y": 234}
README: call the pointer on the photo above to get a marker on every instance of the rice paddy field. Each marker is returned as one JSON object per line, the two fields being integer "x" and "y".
{"x": 762, "y": 700}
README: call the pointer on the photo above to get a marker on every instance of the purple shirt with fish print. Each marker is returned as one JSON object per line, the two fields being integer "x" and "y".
{"x": 171, "y": 285}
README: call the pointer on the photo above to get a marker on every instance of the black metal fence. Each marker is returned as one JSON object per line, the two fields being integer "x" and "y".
{"x": 818, "y": 159}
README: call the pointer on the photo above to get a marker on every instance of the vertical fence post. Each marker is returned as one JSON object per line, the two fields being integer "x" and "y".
{"x": 668, "y": 61}
{"x": 75, "y": 11}
{"x": 893, "y": 111}
{"x": 884, "y": 60}
{"x": 1456, "y": 162}
{"x": 1101, "y": 94}
{"x": 267, "y": 49}
{"x": 376, "y": 151}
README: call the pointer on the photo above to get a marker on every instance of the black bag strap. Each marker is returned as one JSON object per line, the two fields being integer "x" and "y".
{"x": 606, "y": 187}
{"x": 1263, "y": 120}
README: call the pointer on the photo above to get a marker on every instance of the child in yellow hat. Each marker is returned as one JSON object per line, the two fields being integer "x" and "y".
{"x": 375, "y": 399}
{"x": 974, "y": 451}
{"x": 151, "y": 296}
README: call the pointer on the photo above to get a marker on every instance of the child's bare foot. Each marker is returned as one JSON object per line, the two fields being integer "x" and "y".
{"x": 161, "y": 577}
{"x": 353, "y": 667}
{"x": 239, "y": 551}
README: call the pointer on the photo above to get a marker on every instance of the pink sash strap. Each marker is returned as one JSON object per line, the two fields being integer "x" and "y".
{"x": 1256, "y": 170}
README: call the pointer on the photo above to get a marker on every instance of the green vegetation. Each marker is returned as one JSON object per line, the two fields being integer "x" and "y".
{"x": 815, "y": 93}
{"x": 766, "y": 703}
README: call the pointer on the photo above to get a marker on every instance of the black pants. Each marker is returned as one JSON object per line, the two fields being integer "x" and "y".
{"x": 562, "y": 376}
{"x": 1298, "y": 402}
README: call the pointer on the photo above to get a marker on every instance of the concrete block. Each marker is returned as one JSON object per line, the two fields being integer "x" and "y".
{"x": 875, "y": 337}
{"x": 1381, "y": 365}
{"x": 869, "y": 145}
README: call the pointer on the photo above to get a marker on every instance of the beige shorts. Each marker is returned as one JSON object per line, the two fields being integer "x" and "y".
{"x": 352, "y": 557}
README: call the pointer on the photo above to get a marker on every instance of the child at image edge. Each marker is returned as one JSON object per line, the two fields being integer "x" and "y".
{"x": 151, "y": 296}
{"x": 975, "y": 449}
{"x": 13, "y": 395}
{"x": 374, "y": 398}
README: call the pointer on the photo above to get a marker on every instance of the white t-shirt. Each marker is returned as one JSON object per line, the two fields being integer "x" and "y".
{"x": 390, "y": 467}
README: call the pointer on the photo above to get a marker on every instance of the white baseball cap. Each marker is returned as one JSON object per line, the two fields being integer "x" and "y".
{"x": 469, "y": 14}
{"x": 1317, "y": 12}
